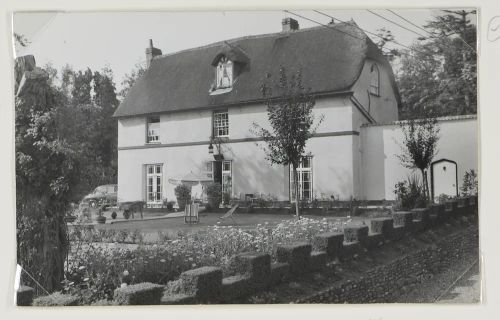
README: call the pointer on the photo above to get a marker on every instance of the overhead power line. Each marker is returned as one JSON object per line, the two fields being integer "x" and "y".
{"x": 458, "y": 35}
{"x": 395, "y": 23}
{"x": 366, "y": 31}
{"x": 432, "y": 35}
{"x": 325, "y": 25}
{"x": 413, "y": 24}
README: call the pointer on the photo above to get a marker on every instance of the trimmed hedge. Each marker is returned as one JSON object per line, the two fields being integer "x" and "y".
{"x": 56, "y": 299}
{"x": 139, "y": 294}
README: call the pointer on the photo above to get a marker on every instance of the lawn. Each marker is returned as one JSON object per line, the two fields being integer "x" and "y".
{"x": 175, "y": 226}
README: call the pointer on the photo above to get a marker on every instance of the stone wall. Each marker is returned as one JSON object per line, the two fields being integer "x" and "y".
{"x": 257, "y": 273}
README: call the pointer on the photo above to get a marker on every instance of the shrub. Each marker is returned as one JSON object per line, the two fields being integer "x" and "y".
{"x": 139, "y": 294}
{"x": 469, "y": 184}
{"x": 442, "y": 198}
{"x": 183, "y": 195}
{"x": 113, "y": 215}
{"x": 409, "y": 193}
{"x": 56, "y": 299}
{"x": 95, "y": 269}
{"x": 214, "y": 195}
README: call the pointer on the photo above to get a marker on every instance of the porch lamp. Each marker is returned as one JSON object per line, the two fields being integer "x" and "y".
{"x": 210, "y": 148}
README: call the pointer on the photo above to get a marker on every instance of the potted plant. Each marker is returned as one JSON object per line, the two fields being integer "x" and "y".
{"x": 183, "y": 195}
{"x": 214, "y": 195}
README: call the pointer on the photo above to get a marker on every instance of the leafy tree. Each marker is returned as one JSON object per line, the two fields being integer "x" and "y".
{"x": 45, "y": 172}
{"x": 419, "y": 146}
{"x": 385, "y": 36}
{"x": 439, "y": 75}
{"x": 290, "y": 113}
{"x": 86, "y": 121}
{"x": 130, "y": 79}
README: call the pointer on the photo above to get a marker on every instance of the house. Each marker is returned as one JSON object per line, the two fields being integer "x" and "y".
{"x": 184, "y": 99}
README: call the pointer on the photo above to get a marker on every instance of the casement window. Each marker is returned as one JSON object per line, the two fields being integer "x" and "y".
{"x": 305, "y": 179}
{"x": 221, "y": 124}
{"x": 224, "y": 73}
{"x": 374, "y": 80}
{"x": 153, "y": 130}
{"x": 154, "y": 184}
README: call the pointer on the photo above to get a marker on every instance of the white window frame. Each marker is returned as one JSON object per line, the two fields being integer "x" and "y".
{"x": 375, "y": 80}
{"x": 224, "y": 74}
{"x": 227, "y": 173}
{"x": 220, "y": 124}
{"x": 153, "y": 130}
{"x": 301, "y": 173}
{"x": 154, "y": 180}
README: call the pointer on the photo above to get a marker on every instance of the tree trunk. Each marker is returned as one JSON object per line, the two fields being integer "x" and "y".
{"x": 296, "y": 187}
{"x": 425, "y": 185}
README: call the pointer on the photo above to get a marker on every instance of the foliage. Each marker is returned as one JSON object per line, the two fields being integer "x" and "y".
{"x": 290, "y": 114}
{"x": 438, "y": 76}
{"x": 409, "y": 193}
{"x": 214, "y": 190}
{"x": 385, "y": 36}
{"x": 130, "y": 79}
{"x": 469, "y": 184}
{"x": 442, "y": 198}
{"x": 214, "y": 194}
{"x": 45, "y": 172}
{"x": 183, "y": 195}
{"x": 95, "y": 268}
{"x": 419, "y": 146}
{"x": 56, "y": 299}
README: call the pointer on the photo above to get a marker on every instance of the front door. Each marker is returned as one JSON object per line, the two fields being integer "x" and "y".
{"x": 223, "y": 175}
{"x": 154, "y": 185}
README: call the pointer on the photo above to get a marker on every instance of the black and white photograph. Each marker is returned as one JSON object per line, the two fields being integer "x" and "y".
{"x": 320, "y": 156}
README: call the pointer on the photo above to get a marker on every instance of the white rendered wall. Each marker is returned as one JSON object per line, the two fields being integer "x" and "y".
{"x": 381, "y": 168}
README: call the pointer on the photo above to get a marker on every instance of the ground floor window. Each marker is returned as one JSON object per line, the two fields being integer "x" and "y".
{"x": 305, "y": 179}
{"x": 154, "y": 184}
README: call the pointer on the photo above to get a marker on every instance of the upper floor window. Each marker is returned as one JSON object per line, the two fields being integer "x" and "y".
{"x": 153, "y": 130}
{"x": 374, "y": 80}
{"x": 221, "y": 124}
{"x": 224, "y": 73}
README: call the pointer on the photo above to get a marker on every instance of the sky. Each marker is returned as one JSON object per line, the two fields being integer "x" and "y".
{"x": 118, "y": 39}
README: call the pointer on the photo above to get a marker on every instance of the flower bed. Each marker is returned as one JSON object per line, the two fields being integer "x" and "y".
{"x": 94, "y": 269}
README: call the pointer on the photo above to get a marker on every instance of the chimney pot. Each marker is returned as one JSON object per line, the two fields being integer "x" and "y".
{"x": 290, "y": 24}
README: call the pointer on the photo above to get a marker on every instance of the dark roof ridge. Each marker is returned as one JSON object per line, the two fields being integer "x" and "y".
{"x": 255, "y": 36}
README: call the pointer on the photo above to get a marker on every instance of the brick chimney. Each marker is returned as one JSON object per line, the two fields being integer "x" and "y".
{"x": 289, "y": 24}
{"x": 151, "y": 52}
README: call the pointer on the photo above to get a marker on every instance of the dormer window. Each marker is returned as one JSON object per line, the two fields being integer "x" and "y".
{"x": 374, "y": 80}
{"x": 224, "y": 73}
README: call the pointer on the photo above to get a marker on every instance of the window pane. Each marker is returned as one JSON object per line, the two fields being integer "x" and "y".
{"x": 158, "y": 169}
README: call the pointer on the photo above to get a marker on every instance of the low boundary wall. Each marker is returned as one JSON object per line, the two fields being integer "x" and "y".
{"x": 257, "y": 273}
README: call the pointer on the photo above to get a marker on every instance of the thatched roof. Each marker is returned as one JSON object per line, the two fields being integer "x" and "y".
{"x": 330, "y": 61}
